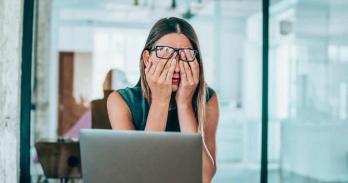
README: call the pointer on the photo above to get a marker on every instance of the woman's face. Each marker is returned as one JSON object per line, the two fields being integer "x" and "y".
{"x": 174, "y": 40}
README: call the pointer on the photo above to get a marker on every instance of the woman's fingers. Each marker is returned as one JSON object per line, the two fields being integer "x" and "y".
{"x": 148, "y": 68}
{"x": 171, "y": 71}
{"x": 160, "y": 66}
{"x": 195, "y": 70}
{"x": 164, "y": 73}
{"x": 182, "y": 72}
{"x": 154, "y": 64}
{"x": 188, "y": 73}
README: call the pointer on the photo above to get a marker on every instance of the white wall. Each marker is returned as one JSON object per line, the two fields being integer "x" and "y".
{"x": 10, "y": 64}
{"x": 82, "y": 77}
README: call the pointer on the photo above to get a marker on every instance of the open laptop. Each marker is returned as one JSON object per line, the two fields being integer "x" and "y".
{"x": 140, "y": 157}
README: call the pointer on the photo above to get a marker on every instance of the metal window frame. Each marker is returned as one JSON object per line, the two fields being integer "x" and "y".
{"x": 25, "y": 100}
{"x": 264, "y": 120}
{"x": 27, "y": 49}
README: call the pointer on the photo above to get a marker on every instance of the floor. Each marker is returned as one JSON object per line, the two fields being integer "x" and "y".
{"x": 238, "y": 152}
{"x": 235, "y": 174}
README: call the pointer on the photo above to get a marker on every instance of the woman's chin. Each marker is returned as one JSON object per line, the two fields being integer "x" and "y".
{"x": 174, "y": 87}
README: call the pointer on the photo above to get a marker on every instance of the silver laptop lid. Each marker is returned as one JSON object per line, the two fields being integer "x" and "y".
{"x": 140, "y": 157}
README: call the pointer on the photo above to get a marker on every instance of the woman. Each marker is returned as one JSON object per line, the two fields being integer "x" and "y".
{"x": 171, "y": 94}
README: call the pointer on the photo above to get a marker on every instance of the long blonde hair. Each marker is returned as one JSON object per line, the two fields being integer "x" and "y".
{"x": 176, "y": 25}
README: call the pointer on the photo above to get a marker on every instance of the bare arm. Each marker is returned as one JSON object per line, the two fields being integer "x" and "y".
{"x": 157, "y": 117}
{"x": 188, "y": 123}
{"x": 119, "y": 113}
{"x": 212, "y": 120}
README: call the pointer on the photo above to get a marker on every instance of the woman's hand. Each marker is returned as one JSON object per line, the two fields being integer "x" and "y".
{"x": 159, "y": 75}
{"x": 189, "y": 75}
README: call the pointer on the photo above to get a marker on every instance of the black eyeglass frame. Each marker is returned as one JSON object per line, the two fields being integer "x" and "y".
{"x": 154, "y": 48}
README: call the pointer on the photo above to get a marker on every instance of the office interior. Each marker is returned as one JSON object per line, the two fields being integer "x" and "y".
{"x": 82, "y": 46}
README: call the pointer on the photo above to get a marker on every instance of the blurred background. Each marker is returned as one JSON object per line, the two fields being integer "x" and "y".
{"x": 84, "y": 48}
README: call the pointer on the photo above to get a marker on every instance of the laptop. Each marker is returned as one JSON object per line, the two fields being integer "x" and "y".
{"x": 140, "y": 157}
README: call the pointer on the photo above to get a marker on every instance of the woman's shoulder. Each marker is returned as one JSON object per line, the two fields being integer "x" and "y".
{"x": 209, "y": 93}
{"x": 131, "y": 94}
{"x": 130, "y": 90}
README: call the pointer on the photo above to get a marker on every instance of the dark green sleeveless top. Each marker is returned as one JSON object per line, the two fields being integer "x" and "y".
{"x": 139, "y": 108}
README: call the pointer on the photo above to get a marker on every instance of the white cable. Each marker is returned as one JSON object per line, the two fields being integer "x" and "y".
{"x": 208, "y": 152}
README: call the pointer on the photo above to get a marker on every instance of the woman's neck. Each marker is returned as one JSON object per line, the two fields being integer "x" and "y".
{"x": 172, "y": 103}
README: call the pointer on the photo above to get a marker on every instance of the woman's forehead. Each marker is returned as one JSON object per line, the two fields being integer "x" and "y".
{"x": 175, "y": 40}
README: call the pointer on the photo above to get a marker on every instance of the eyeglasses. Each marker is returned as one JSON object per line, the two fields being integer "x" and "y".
{"x": 166, "y": 52}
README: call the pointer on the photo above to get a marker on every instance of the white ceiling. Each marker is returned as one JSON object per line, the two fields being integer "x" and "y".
{"x": 125, "y": 13}
{"x": 152, "y": 9}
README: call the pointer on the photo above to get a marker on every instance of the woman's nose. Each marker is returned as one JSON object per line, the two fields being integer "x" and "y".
{"x": 177, "y": 67}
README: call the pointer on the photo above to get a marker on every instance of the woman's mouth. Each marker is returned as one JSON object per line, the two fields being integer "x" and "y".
{"x": 176, "y": 81}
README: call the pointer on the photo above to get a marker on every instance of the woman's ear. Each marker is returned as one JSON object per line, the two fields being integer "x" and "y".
{"x": 146, "y": 57}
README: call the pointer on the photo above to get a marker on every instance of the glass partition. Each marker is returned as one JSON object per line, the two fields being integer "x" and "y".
{"x": 308, "y": 124}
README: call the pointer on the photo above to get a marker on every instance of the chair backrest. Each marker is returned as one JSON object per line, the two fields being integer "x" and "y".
{"x": 100, "y": 117}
